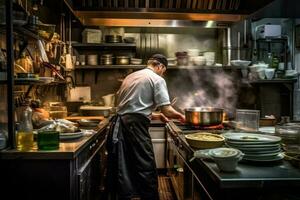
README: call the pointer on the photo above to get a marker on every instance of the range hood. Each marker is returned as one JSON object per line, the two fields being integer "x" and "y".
{"x": 163, "y": 13}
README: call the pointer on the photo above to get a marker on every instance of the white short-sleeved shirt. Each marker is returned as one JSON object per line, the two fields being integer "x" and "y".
{"x": 141, "y": 92}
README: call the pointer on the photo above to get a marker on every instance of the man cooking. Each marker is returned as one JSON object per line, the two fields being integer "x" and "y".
{"x": 131, "y": 164}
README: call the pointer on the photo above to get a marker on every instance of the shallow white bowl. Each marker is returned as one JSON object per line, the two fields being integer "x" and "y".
{"x": 240, "y": 63}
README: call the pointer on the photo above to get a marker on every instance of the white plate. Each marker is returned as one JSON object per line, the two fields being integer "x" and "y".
{"x": 252, "y": 144}
{"x": 267, "y": 129}
{"x": 254, "y": 149}
{"x": 65, "y": 136}
{"x": 271, "y": 159}
{"x": 274, "y": 154}
{"x": 260, "y": 152}
{"x": 251, "y": 138}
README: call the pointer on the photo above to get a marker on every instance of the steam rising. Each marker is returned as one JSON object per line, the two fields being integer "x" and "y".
{"x": 206, "y": 88}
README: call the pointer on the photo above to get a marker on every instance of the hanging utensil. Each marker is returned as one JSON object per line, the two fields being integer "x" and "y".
{"x": 42, "y": 51}
{"x": 50, "y": 66}
{"x": 238, "y": 46}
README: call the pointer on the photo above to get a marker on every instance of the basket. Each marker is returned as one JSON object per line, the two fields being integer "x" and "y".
{"x": 204, "y": 140}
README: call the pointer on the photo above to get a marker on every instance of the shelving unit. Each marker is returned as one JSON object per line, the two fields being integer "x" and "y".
{"x": 287, "y": 84}
{"x": 96, "y": 67}
{"x": 265, "y": 46}
{"x": 101, "y": 45}
{"x": 83, "y": 67}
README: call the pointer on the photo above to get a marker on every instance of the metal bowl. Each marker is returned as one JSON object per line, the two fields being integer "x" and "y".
{"x": 203, "y": 116}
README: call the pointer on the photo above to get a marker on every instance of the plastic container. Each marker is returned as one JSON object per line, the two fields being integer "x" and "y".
{"x": 91, "y": 36}
{"x": 247, "y": 120}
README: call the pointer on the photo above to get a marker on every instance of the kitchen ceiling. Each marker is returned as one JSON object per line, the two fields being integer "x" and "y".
{"x": 176, "y": 13}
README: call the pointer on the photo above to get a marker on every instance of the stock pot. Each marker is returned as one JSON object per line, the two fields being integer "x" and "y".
{"x": 203, "y": 116}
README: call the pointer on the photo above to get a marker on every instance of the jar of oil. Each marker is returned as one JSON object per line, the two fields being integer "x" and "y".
{"x": 25, "y": 132}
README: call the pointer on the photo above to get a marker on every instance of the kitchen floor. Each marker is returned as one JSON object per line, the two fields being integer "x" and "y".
{"x": 165, "y": 189}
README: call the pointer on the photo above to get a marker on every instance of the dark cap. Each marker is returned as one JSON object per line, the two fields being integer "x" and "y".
{"x": 160, "y": 58}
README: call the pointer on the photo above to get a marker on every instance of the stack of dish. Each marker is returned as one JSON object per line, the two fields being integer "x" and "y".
{"x": 70, "y": 136}
{"x": 256, "y": 147}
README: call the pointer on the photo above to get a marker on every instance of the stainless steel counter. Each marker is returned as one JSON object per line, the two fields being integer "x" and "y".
{"x": 276, "y": 180}
{"x": 248, "y": 174}
{"x": 67, "y": 149}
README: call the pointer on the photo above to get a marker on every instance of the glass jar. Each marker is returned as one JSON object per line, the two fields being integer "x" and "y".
{"x": 48, "y": 140}
{"x": 290, "y": 135}
{"x": 25, "y": 131}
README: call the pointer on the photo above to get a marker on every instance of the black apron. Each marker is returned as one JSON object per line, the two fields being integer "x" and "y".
{"x": 131, "y": 168}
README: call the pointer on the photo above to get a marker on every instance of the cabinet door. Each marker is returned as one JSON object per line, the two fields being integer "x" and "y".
{"x": 198, "y": 192}
{"x": 159, "y": 145}
{"x": 182, "y": 178}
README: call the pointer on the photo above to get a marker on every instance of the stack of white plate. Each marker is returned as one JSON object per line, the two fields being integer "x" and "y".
{"x": 256, "y": 147}
{"x": 70, "y": 136}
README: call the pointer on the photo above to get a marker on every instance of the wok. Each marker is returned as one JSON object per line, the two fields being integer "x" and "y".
{"x": 203, "y": 116}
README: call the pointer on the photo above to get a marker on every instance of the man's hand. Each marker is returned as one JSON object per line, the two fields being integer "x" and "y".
{"x": 170, "y": 112}
{"x": 159, "y": 116}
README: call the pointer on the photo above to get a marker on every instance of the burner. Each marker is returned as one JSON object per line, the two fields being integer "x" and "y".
{"x": 214, "y": 127}
{"x": 184, "y": 127}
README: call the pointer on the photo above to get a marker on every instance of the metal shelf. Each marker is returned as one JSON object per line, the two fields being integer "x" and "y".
{"x": 36, "y": 82}
{"x": 21, "y": 32}
{"x": 102, "y": 45}
{"x": 110, "y": 67}
{"x": 83, "y": 67}
{"x": 291, "y": 80}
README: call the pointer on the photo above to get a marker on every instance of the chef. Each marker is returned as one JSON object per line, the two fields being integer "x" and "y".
{"x": 131, "y": 163}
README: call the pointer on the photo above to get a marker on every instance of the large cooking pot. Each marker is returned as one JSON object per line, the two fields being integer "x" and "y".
{"x": 203, "y": 116}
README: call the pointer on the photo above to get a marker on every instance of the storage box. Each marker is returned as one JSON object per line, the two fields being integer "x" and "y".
{"x": 91, "y": 36}
{"x": 247, "y": 120}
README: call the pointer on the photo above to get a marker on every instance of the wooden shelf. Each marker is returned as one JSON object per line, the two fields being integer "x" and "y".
{"x": 3, "y": 82}
{"x": 36, "y": 82}
{"x": 274, "y": 40}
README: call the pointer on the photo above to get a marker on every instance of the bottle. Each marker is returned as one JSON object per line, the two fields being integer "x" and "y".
{"x": 25, "y": 130}
{"x": 270, "y": 59}
{"x": 275, "y": 62}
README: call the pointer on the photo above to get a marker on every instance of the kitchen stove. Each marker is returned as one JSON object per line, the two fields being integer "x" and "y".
{"x": 176, "y": 128}
{"x": 178, "y": 155}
